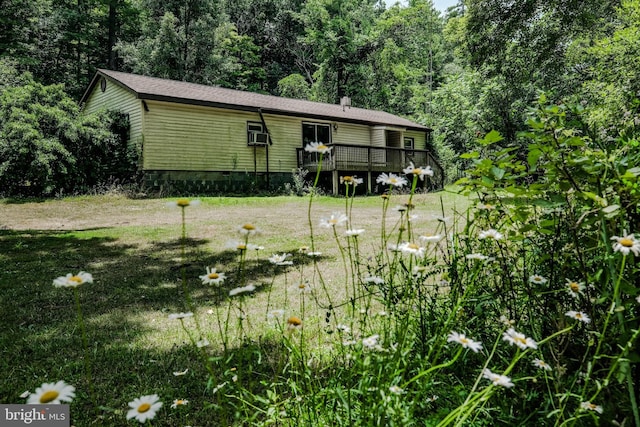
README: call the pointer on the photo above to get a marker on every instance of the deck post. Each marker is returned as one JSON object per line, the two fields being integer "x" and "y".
{"x": 369, "y": 167}
{"x": 335, "y": 180}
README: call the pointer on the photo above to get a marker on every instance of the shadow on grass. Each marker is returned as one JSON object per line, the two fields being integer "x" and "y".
{"x": 42, "y": 341}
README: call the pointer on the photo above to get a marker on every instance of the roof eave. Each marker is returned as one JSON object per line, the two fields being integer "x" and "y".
{"x": 227, "y": 106}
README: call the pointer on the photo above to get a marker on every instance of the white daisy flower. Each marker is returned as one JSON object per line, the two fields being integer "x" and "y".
{"x": 420, "y": 172}
{"x": 497, "y": 379}
{"x": 180, "y": 373}
{"x": 179, "y": 402}
{"x": 465, "y": 342}
{"x": 294, "y": 323}
{"x": 490, "y": 234}
{"x": 506, "y": 321}
{"x": 391, "y": 179}
{"x": 477, "y": 256}
{"x": 541, "y": 364}
{"x": 351, "y": 180}
{"x": 536, "y": 279}
{"x": 314, "y": 254}
{"x": 575, "y": 288}
{"x": 280, "y": 259}
{"x": 242, "y": 289}
{"x": 519, "y": 339}
{"x": 588, "y": 406}
{"x": 371, "y": 342}
{"x": 485, "y": 206}
{"x": 248, "y": 229}
{"x": 236, "y": 245}
{"x": 73, "y": 281}
{"x": 430, "y": 238}
{"x": 396, "y": 390}
{"x": 374, "y": 279}
{"x": 578, "y": 315}
{"x": 333, "y": 220}
{"x": 183, "y": 203}
{"x": 411, "y": 248}
{"x": 302, "y": 287}
{"x": 354, "y": 232}
{"x": 203, "y": 343}
{"x": 213, "y": 277}
{"x": 626, "y": 244}
{"x": 52, "y": 394}
{"x": 317, "y": 147}
{"x": 144, "y": 408}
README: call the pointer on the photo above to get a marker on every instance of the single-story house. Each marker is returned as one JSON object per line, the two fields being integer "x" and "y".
{"x": 209, "y": 139}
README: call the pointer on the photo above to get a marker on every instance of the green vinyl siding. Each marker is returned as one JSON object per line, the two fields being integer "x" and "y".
{"x": 115, "y": 97}
{"x": 419, "y": 139}
{"x": 347, "y": 133}
{"x": 194, "y": 138}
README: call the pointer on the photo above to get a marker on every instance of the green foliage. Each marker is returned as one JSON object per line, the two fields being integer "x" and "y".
{"x": 47, "y": 147}
{"x": 562, "y": 204}
{"x": 294, "y": 86}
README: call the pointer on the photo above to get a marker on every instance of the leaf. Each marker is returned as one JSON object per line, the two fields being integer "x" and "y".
{"x": 533, "y": 157}
{"x": 491, "y": 138}
{"x": 471, "y": 155}
{"x": 610, "y": 209}
{"x": 498, "y": 173}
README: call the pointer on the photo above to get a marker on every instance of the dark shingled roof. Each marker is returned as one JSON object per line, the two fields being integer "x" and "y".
{"x": 153, "y": 88}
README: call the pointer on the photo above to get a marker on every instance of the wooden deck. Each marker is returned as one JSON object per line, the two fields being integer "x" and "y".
{"x": 372, "y": 161}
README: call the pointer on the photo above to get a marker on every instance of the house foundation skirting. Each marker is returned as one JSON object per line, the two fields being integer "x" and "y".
{"x": 207, "y": 182}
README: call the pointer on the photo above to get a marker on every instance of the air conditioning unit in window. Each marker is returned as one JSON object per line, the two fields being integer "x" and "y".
{"x": 258, "y": 138}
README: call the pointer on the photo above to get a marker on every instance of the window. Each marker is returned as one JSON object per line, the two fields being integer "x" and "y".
{"x": 256, "y": 134}
{"x": 316, "y": 132}
{"x": 409, "y": 143}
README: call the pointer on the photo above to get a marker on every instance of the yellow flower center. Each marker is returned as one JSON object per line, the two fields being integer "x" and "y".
{"x": 294, "y": 321}
{"x": 49, "y": 396}
{"x": 302, "y": 286}
{"x": 464, "y": 340}
{"x": 591, "y": 406}
{"x": 183, "y": 203}
{"x": 179, "y": 402}
{"x": 76, "y": 279}
{"x": 242, "y": 247}
{"x": 413, "y": 246}
{"x": 347, "y": 178}
{"x": 249, "y": 227}
{"x": 144, "y": 408}
{"x": 626, "y": 242}
{"x": 575, "y": 287}
{"x": 520, "y": 340}
{"x": 213, "y": 275}
{"x": 416, "y": 171}
{"x": 578, "y": 316}
{"x": 321, "y": 147}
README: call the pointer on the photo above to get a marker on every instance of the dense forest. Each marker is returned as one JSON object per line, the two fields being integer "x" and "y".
{"x": 478, "y": 67}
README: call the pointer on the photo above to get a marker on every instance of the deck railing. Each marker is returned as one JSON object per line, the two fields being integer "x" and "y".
{"x": 358, "y": 158}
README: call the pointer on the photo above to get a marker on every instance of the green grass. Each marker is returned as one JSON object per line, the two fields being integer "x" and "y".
{"x": 133, "y": 250}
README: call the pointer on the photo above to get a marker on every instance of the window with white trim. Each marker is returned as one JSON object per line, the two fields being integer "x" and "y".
{"x": 409, "y": 143}
{"x": 316, "y": 132}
